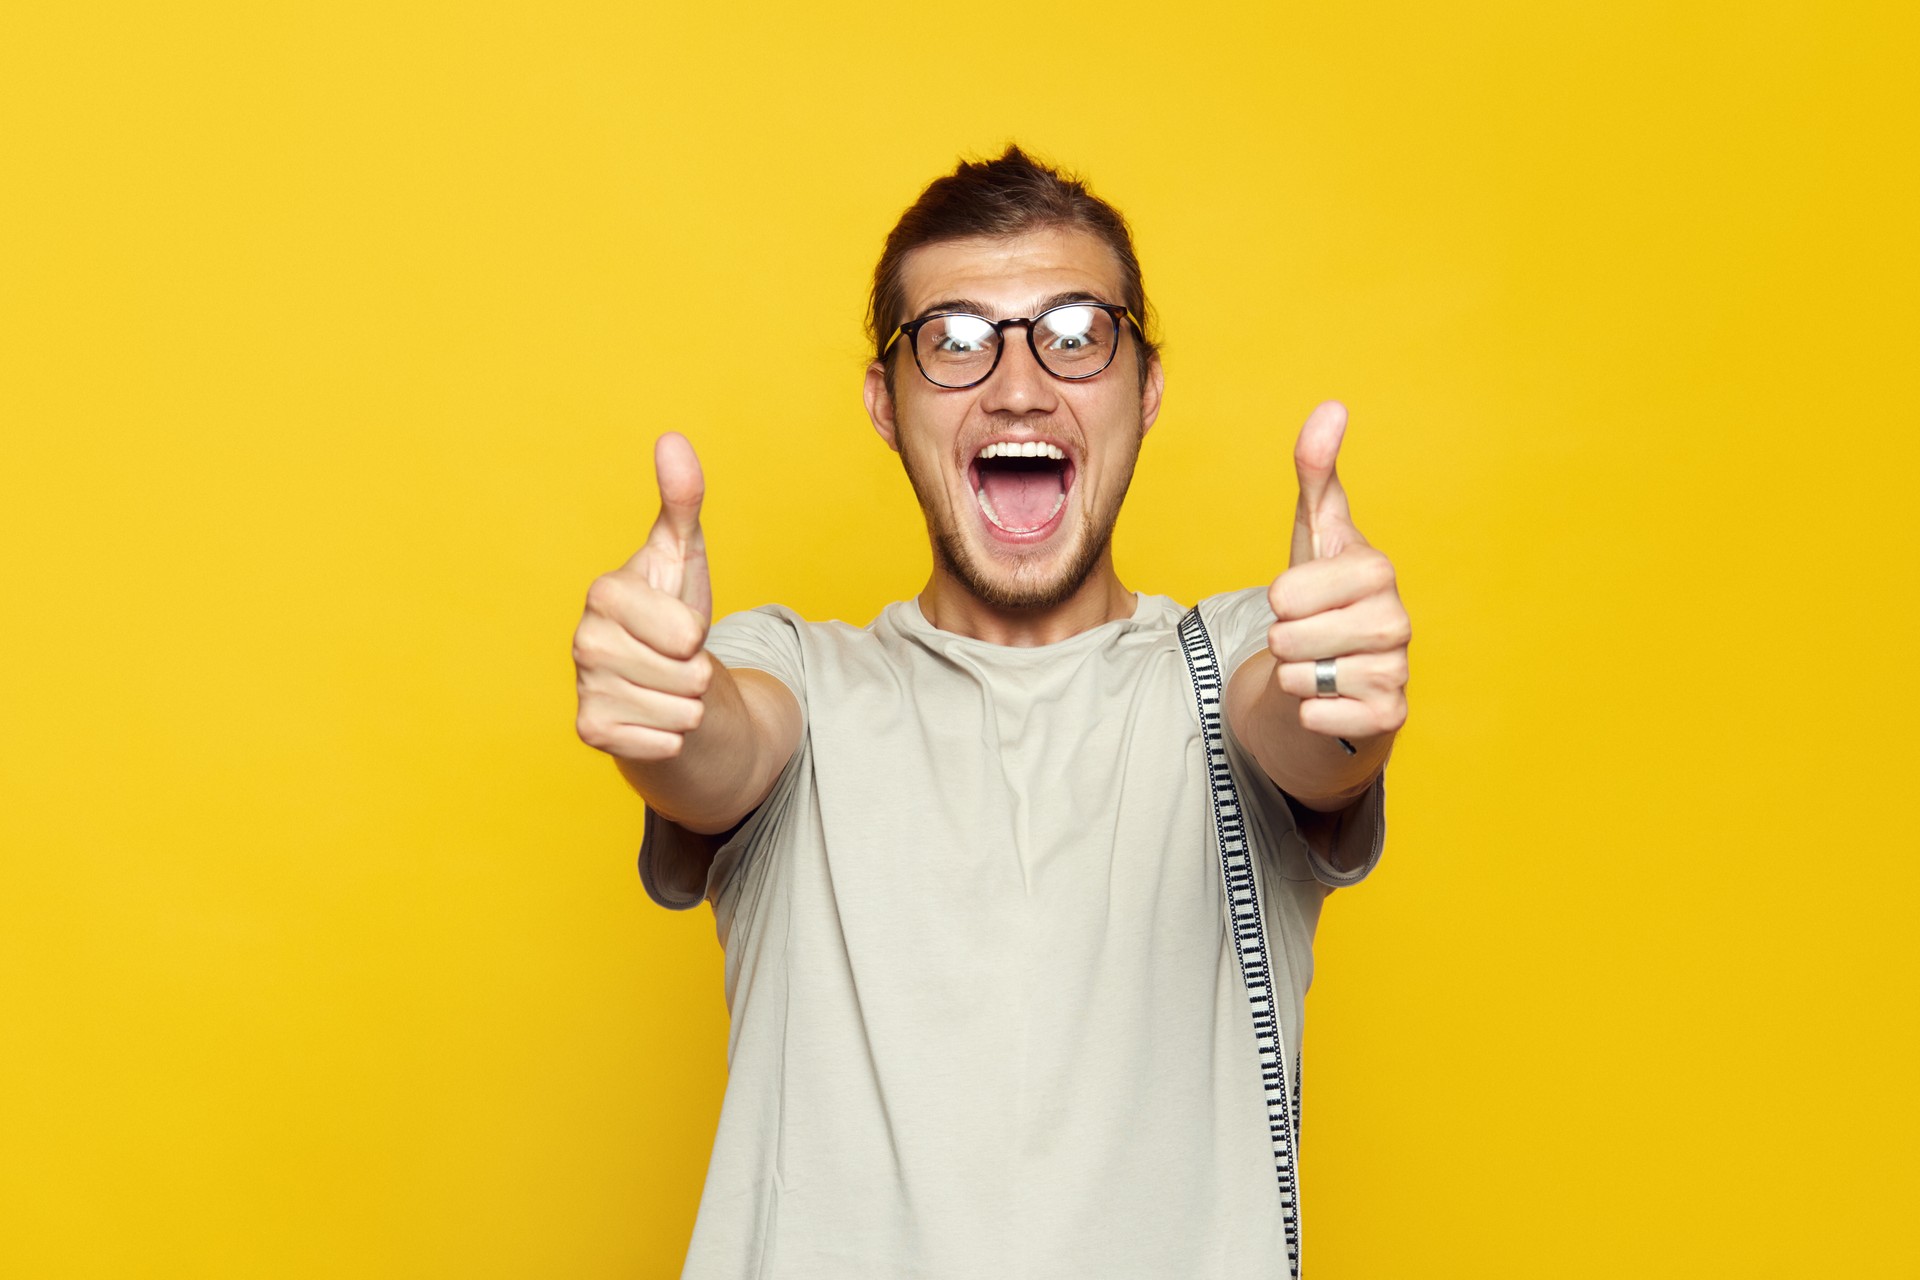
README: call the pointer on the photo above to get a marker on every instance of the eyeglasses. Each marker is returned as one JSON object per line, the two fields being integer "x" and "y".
{"x": 1073, "y": 341}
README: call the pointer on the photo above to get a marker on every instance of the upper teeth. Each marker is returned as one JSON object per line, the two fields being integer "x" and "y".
{"x": 1023, "y": 449}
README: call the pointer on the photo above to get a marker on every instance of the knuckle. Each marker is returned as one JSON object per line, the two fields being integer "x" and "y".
{"x": 1278, "y": 597}
{"x": 1391, "y": 632}
{"x": 592, "y": 731}
{"x": 684, "y": 635}
{"x": 702, "y": 672}
{"x": 1279, "y": 638}
{"x": 605, "y": 594}
{"x": 587, "y": 653}
{"x": 1377, "y": 571}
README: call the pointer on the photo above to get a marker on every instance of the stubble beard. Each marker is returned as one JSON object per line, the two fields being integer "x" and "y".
{"x": 1021, "y": 590}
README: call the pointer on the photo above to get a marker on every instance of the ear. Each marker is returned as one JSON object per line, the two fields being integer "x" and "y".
{"x": 880, "y": 404}
{"x": 1150, "y": 393}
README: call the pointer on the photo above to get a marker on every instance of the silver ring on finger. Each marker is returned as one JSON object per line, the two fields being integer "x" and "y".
{"x": 1324, "y": 679}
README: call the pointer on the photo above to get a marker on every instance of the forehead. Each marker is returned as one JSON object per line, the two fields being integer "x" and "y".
{"x": 1009, "y": 275}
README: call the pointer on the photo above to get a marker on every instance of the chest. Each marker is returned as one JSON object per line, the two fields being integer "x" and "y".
{"x": 1016, "y": 796}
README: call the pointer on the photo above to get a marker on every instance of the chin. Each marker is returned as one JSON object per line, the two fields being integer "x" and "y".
{"x": 1029, "y": 582}
{"x": 1024, "y": 571}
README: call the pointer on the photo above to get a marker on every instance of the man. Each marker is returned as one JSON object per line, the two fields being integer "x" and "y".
{"x": 987, "y": 1010}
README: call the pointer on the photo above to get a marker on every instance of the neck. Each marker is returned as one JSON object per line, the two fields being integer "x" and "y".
{"x": 949, "y": 606}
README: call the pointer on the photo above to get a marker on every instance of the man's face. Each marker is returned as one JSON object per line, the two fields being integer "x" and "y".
{"x": 1025, "y": 532}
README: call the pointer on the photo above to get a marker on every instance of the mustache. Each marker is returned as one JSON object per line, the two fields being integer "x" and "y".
{"x": 1059, "y": 431}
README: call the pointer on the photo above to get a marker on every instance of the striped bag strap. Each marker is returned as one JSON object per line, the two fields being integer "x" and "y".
{"x": 1248, "y": 927}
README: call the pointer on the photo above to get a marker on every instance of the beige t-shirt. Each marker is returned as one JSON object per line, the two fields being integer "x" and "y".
{"x": 986, "y": 1018}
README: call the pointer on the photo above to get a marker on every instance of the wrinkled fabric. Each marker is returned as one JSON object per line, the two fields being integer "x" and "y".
{"x": 986, "y": 1019}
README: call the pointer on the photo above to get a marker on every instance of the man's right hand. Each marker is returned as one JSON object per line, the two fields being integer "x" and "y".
{"x": 642, "y": 672}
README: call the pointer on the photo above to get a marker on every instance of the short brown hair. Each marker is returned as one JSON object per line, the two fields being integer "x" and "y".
{"x": 1008, "y": 196}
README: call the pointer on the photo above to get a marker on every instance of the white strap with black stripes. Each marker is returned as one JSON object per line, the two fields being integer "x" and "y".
{"x": 1248, "y": 927}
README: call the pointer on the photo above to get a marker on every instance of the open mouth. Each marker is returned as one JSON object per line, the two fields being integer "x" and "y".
{"x": 1021, "y": 486}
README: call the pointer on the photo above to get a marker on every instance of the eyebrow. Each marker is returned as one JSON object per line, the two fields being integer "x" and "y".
{"x": 974, "y": 307}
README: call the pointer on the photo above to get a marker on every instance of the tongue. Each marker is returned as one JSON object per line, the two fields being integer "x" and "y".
{"x": 1022, "y": 499}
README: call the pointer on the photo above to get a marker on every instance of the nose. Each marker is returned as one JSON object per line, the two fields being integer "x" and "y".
{"x": 1019, "y": 385}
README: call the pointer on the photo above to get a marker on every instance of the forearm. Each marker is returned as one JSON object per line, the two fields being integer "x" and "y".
{"x": 727, "y": 764}
{"x": 1312, "y": 768}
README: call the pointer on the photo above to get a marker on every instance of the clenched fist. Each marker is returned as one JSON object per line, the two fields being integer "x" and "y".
{"x": 1337, "y": 600}
{"x": 638, "y": 648}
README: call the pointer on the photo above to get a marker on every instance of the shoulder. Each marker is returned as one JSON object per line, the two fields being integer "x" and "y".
{"x": 1237, "y": 608}
{"x": 776, "y": 639}
{"x": 765, "y": 639}
{"x": 772, "y": 620}
{"x": 765, "y": 620}
{"x": 1238, "y": 622}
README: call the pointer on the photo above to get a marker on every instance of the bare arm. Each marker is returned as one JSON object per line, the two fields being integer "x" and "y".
{"x": 701, "y": 744}
{"x": 1312, "y": 768}
{"x": 695, "y": 798}
{"x": 748, "y": 730}
{"x": 1338, "y": 599}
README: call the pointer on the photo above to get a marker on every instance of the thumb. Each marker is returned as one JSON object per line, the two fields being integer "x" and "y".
{"x": 1322, "y": 523}
{"x": 682, "y": 487}
{"x": 674, "y": 558}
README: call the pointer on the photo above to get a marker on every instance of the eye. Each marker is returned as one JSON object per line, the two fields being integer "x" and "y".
{"x": 1072, "y": 330}
{"x": 960, "y": 335}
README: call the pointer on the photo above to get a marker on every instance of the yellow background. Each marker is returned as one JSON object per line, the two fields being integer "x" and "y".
{"x": 333, "y": 344}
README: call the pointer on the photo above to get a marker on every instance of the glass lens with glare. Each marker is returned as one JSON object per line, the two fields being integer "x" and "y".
{"x": 1074, "y": 341}
{"x": 957, "y": 350}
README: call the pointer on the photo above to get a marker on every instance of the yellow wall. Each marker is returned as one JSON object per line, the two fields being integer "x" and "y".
{"x": 331, "y": 349}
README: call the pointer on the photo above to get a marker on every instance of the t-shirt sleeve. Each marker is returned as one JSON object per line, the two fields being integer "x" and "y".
{"x": 765, "y": 639}
{"x": 1238, "y": 623}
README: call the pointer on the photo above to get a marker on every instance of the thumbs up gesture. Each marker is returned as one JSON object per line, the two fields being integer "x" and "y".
{"x": 642, "y": 672}
{"x": 1337, "y": 600}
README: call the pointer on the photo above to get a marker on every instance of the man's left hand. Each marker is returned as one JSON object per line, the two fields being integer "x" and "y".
{"x": 1338, "y": 599}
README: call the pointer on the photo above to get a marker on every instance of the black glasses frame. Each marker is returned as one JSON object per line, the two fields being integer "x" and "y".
{"x": 911, "y": 331}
